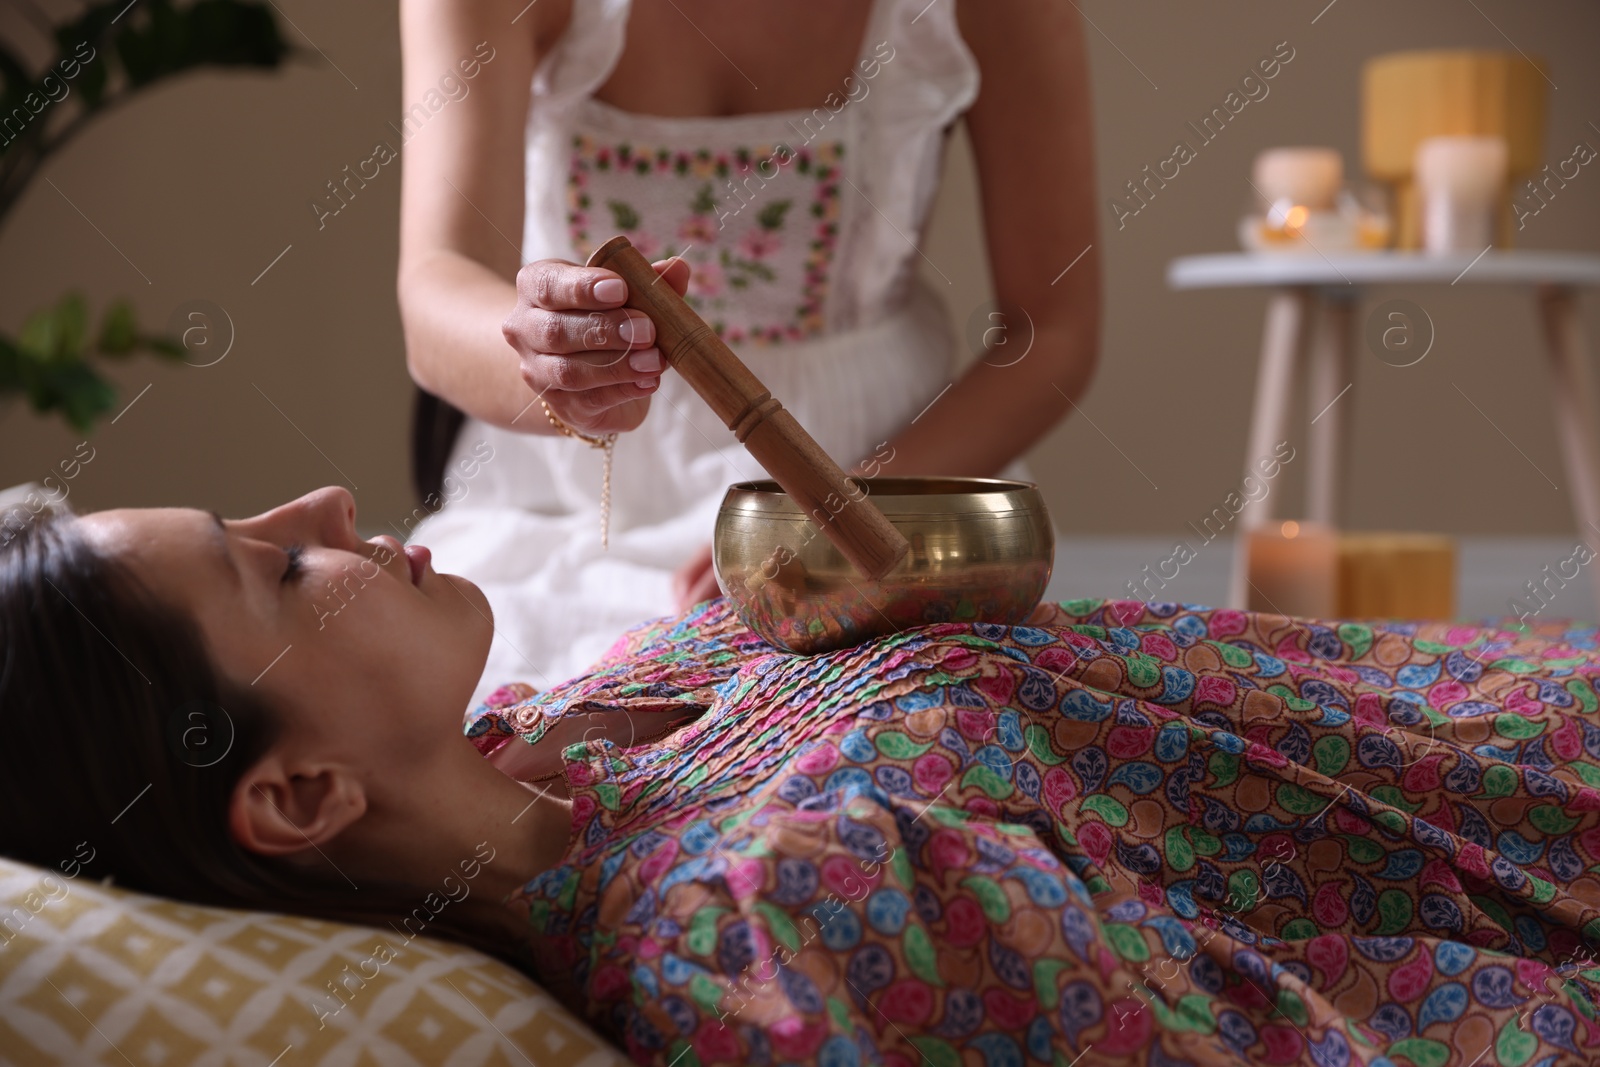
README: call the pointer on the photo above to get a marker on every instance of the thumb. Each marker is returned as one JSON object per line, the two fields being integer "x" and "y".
{"x": 675, "y": 272}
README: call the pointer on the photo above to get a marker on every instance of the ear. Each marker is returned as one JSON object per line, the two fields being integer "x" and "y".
{"x": 279, "y": 810}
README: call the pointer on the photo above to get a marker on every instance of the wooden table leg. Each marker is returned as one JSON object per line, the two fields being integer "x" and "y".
{"x": 1332, "y": 372}
{"x": 1573, "y": 385}
{"x": 1283, "y": 338}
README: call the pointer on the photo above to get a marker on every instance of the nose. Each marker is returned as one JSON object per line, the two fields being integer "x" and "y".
{"x": 325, "y": 516}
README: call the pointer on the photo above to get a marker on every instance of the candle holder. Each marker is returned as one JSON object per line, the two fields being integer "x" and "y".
{"x": 1396, "y": 576}
{"x": 1301, "y": 205}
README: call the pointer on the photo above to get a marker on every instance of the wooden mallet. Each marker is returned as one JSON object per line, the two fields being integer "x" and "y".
{"x": 845, "y": 514}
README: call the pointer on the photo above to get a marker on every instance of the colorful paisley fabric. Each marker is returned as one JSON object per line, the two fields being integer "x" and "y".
{"x": 1123, "y": 833}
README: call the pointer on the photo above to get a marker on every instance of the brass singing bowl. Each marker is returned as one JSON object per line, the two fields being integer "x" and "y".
{"x": 981, "y": 551}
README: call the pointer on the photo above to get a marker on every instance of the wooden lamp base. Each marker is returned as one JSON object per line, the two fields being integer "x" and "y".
{"x": 1408, "y": 97}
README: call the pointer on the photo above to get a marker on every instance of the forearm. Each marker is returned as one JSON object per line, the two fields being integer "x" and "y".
{"x": 1039, "y": 227}
{"x": 452, "y": 308}
{"x": 462, "y": 192}
{"x": 995, "y": 412}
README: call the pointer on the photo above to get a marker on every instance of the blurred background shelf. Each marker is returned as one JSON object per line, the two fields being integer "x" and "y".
{"x": 1506, "y": 267}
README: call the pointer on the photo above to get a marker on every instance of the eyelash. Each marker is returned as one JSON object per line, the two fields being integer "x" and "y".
{"x": 294, "y": 569}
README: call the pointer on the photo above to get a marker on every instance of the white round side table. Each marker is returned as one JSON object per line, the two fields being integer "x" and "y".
{"x": 1313, "y": 299}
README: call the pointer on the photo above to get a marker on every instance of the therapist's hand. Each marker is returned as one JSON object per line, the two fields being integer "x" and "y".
{"x": 594, "y": 362}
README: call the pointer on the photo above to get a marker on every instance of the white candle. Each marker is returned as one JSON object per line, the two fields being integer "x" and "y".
{"x": 1459, "y": 179}
{"x": 1307, "y": 177}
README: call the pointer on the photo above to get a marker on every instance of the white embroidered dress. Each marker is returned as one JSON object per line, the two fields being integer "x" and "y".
{"x": 799, "y": 228}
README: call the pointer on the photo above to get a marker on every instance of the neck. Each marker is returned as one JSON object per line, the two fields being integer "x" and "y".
{"x": 531, "y": 823}
{"x": 472, "y": 836}
{"x": 527, "y": 827}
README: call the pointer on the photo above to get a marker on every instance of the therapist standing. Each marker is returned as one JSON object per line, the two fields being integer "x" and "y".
{"x": 779, "y": 162}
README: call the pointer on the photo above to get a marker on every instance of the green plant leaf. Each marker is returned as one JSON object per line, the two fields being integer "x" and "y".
{"x": 72, "y": 318}
{"x": 75, "y": 389}
{"x": 37, "y": 341}
{"x": 56, "y": 334}
{"x": 234, "y": 34}
{"x": 10, "y": 367}
{"x": 225, "y": 33}
{"x": 88, "y": 31}
{"x": 164, "y": 346}
{"x": 50, "y": 361}
{"x": 92, "y": 82}
{"x": 157, "y": 39}
{"x": 119, "y": 330}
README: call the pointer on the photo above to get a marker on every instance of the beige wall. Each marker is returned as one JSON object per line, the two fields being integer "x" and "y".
{"x": 203, "y": 182}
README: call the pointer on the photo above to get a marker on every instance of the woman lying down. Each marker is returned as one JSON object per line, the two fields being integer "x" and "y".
{"x": 1170, "y": 836}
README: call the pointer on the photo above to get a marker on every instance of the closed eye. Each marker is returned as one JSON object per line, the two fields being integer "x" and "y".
{"x": 294, "y": 567}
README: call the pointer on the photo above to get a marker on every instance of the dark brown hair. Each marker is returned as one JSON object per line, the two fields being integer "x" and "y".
{"x": 435, "y": 424}
{"x": 120, "y": 740}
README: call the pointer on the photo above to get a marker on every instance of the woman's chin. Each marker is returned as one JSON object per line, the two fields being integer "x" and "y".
{"x": 475, "y": 597}
{"x": 469, "y": 589}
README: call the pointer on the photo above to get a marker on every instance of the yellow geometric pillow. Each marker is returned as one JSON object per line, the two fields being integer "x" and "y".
{"x": 103, "y": 975}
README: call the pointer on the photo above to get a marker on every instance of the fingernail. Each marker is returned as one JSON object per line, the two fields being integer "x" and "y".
{"x": 611, "y": 291}
{"x": 638, "y": 328}
{"x": 649, "y": 384}
{"x": 646, "y": 360}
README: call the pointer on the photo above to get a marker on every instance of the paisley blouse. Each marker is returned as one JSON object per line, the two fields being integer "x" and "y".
{"x": 1124, "y": 833}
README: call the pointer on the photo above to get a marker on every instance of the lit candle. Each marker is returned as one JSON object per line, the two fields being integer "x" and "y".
{"x": 1305, "y": 177}
{"x": 1293, "y": 569}
{"x": 1459, "y": 179}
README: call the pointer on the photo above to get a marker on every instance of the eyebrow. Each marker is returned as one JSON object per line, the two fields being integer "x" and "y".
{"x": 222, "y": 545}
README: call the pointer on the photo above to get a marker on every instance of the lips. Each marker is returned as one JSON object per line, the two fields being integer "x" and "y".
{"x": 417, "y": 556}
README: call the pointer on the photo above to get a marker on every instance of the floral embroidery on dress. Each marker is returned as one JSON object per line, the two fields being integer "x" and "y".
{"x": 757, "y": 225}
